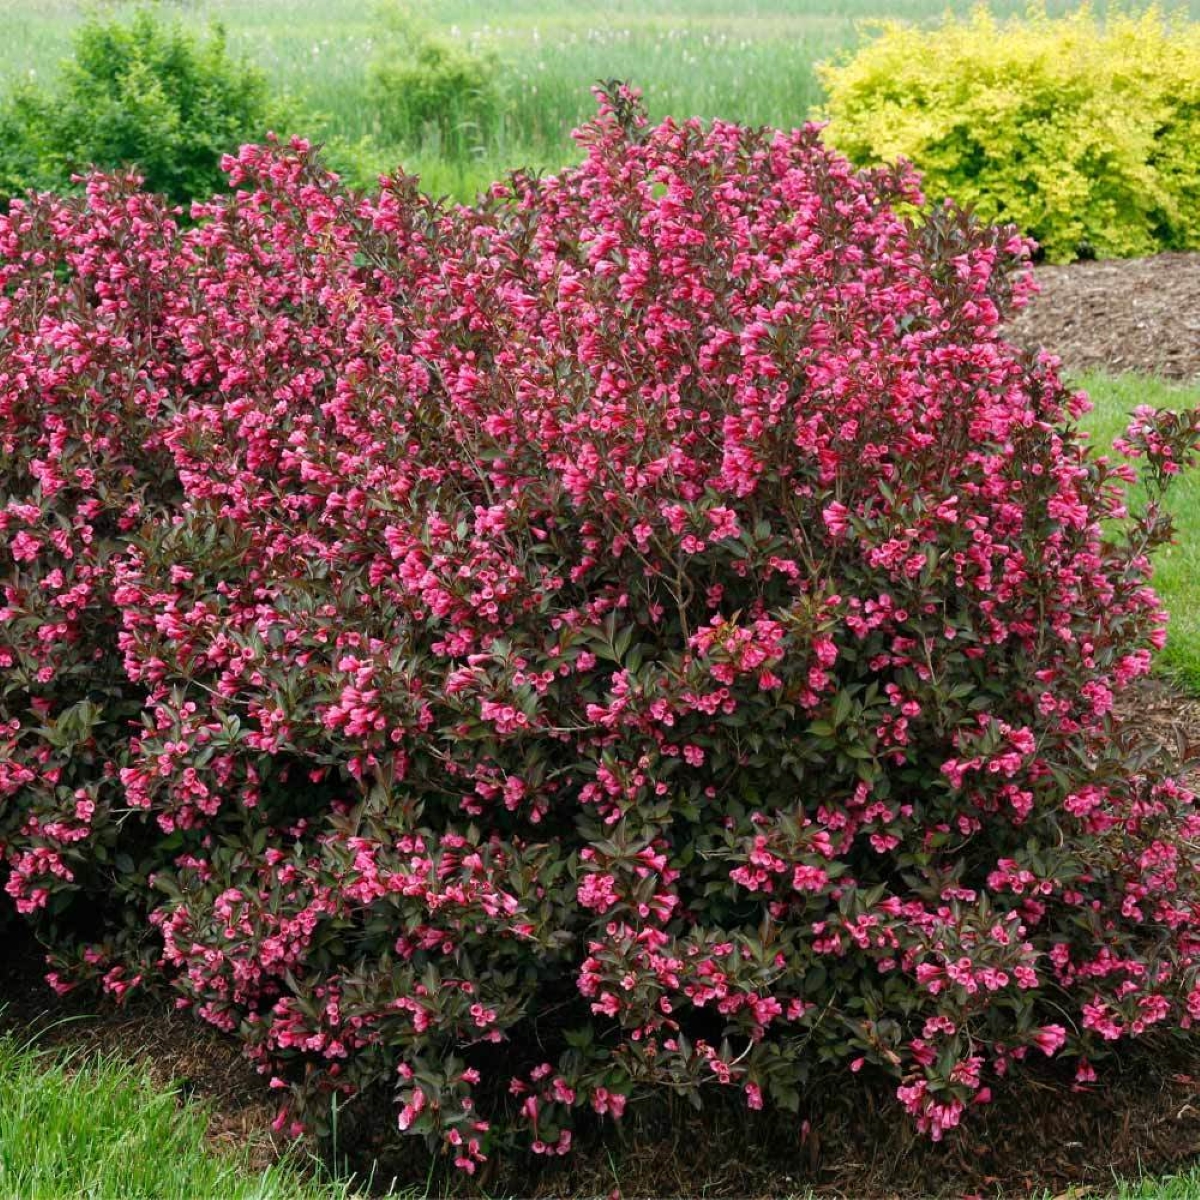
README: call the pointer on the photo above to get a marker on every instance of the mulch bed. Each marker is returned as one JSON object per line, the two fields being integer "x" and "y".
{"x": 1138, "y": 315}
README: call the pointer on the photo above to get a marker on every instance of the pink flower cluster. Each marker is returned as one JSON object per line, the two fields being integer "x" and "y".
{"x": 656, "y": 595}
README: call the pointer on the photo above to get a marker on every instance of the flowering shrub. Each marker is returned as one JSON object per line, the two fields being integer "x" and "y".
{"x": 645, "y": 631}
{"x": 1082, "y": 135}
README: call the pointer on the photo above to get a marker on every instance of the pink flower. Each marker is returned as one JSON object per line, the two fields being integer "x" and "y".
{"x": 1049, "y": 1039}
{"x": 724, "y": 522}
{"x": 24, "y": 547}
{"x": 837, "y": 518}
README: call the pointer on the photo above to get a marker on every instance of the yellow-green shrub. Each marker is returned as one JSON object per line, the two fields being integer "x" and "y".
{"x": 1085, "y": 135}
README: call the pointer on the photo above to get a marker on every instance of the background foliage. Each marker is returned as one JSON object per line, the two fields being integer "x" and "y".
{"x": 1083, "y": 137}
{"x": 432, "y": 90}
{"x": 461, "y": 92}
{"x": 143, "y": 91}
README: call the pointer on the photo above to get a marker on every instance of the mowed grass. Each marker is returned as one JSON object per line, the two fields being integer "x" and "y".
{"x": 1173, "y": 1187}
{"x": 95, "y": 1127}
{"x": 745, "y": 60}
{"x": 1177, "y": 567}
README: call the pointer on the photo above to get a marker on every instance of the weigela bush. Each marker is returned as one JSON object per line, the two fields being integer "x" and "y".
{"x": 1082, "y": 134}
{"x": 647, "y": 631}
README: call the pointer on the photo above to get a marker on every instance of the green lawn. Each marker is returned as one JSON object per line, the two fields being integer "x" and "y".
{"x": 93, "y": 1127}
{"x": 1173, "y": 1187}
{"x": 1177, "y": 574}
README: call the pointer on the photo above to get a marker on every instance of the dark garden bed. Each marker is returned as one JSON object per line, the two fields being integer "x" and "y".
{"x": 1139, "y": 314}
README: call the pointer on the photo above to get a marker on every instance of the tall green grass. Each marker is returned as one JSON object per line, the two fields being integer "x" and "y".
{"x": 1177, "y": 567}
{"x": 745, "y": 60}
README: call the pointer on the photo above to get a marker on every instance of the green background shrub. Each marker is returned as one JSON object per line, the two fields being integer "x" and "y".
{"x": 1083, "y": 135}
{"x": 141, "y": 91}
{"x": 432, "y": 91}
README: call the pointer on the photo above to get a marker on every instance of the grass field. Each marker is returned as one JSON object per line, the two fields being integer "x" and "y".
{"x": 745, "y": 60}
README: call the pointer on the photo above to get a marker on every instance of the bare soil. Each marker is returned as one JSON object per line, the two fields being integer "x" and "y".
{"x": 1140, "y": 314}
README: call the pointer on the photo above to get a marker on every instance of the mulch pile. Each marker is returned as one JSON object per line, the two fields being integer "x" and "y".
{"x": 1139, "y": 315}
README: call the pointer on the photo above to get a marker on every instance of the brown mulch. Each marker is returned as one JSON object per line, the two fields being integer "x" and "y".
{"x": 1168, "y": 716}
{"x": 1138, "y": 314}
